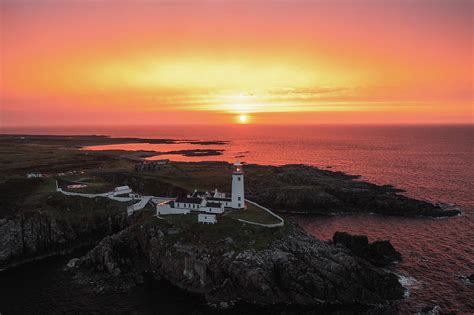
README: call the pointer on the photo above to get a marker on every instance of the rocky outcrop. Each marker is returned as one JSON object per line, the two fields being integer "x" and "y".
{"x": 294, "y": 269}
{"x": 306, "y": 189}
{"x": 379, "y": 253}
{"x": 470, "y": 278}
{"x": 56, "y": 224}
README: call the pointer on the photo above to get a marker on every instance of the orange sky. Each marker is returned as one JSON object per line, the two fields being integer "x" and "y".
{"x": 206, "y": 62}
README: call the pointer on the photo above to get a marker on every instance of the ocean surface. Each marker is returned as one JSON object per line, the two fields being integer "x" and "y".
{"x": 434, "y": 163}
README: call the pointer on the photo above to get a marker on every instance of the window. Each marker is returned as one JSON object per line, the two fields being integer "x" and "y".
{"x": 238, "y": 205}
{"x": 238, "y": 178}
{"x": 239, "y": 198}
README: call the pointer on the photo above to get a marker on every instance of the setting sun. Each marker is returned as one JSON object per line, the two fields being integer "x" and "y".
{"x": 243, "y": 119}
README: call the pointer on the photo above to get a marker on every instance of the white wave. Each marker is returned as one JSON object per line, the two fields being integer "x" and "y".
{"x": 408, "y": 283}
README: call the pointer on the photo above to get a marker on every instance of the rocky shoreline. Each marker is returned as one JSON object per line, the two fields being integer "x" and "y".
{"x": 302, "y": 189}
{"x": 295, "y": 269}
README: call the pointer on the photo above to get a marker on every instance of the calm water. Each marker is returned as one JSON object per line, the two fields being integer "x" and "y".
{"x": 429, "y": 162}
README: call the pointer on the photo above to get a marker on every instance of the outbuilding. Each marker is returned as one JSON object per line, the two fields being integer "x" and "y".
{"x": 34, "y": 175}
{"x": 122, "y": 190}
{"x": 207, "y": 218}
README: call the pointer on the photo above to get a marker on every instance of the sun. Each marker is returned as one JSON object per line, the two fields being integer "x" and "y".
{"x": 243, "y": 119}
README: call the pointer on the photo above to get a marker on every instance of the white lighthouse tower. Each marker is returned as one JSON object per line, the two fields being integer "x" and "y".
{"x": 238, "y": 200}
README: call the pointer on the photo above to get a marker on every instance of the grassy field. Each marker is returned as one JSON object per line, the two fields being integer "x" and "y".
{"x": 253, "y": 214}
{"x": 18, "y": 160}
{"x": 196, "y": 176}
{"x": 94, "y": 185}
{"x": 238, "y": 235}
{"x": 48, "y": 185}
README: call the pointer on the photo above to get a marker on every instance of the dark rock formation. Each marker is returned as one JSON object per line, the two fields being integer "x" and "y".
{"x": 379, "y": 253}
{"x": 294, "y": 269}
{"x": 306, "y": 189}
{"x": 194, "y": 152}
{"x": 471, "y": 278}
{"x": 54, "y": 224}
{"x": 432, "y": 310}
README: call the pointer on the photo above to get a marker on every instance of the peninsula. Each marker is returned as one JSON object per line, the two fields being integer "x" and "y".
{"x": 57, "y": 199}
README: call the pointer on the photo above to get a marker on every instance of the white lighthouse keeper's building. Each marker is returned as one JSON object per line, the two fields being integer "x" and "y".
{"x": 238, "y": 200}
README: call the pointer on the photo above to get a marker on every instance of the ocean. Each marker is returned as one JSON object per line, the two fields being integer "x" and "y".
{"x": 433, "y": 163}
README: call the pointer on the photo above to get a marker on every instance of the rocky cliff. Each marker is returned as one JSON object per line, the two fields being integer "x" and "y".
{"x": 288, "y": 268}
{"x": 51, "y": 223}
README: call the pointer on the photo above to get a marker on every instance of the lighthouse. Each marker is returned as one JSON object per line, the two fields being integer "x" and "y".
{"x": 238, "y": 200}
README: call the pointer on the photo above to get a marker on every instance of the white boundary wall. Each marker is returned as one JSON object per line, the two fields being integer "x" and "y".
{"x": 143, "y": 200}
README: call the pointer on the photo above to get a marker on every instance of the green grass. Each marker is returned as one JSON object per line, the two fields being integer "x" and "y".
{"x": 78, "y": 208}
{"x": 254, "y": 214}
{"x": 241, "y": 236}
{"x": 48, "y": 185}
{"x": 196, "y": 176}
{"x": 95, "y": 185}
{"x": 21, "y": 158}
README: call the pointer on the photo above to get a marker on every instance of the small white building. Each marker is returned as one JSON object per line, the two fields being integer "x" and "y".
{"x": 162, "y": 162}
{"x": 168, "y": 208}
{"x": 207, "y": 218}
{"x": 34, "y": 175}
{"x": 122, "y": 190}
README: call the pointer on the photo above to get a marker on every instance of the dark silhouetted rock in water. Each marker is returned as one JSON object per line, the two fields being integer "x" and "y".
{"x": 292, "y": 268}
{"x": 383, "y": 253}
{"x": 358, "y": 244}
{"x": 471, "y": 278}
{"x": 379, "y": 253}
{"x": 432, "y": 310}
